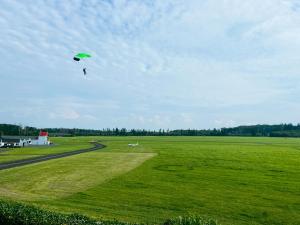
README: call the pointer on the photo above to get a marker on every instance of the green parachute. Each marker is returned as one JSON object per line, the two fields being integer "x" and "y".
{"x": 80, "y": 56}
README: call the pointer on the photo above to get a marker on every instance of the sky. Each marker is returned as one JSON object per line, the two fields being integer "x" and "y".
{"x": 155, "y": 64}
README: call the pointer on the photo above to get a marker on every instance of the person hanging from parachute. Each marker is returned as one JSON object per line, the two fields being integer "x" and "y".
{"x": 82, "y": 56}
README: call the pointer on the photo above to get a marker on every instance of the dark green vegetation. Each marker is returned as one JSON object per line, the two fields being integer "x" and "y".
{"x": 20, "y": 214}
{"x": 234, "y": 180}
{"x": 281, "y": 130}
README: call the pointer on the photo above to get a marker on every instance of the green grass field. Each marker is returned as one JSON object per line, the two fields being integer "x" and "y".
{"x": 233, "y": 180}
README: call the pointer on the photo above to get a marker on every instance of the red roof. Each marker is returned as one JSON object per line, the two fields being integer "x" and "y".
{"x": 44, "y": 133}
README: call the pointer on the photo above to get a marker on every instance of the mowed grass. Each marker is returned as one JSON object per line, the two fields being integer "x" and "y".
{"x": 234, "y": 180}
{"x": 61, "y": 145}
{"x": 58, "y": 178}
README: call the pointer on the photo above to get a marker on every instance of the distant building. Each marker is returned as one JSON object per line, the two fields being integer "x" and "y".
{"x": 14, "y": 141}
{"x": 22, "y": 141}
{"x": 41, "y": 140}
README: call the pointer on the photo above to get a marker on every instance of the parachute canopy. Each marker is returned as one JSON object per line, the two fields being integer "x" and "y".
{"x": 81, "y": 55}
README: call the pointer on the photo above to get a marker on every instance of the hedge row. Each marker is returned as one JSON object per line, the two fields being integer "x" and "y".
{"x": 12, "y": 213}
{"x": 190, "y": 220}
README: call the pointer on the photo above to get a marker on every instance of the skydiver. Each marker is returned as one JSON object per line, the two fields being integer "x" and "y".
{"x": 84, "y": 71}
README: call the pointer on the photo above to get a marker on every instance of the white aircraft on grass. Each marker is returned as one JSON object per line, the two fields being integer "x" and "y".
{"x": 133, "y": 145}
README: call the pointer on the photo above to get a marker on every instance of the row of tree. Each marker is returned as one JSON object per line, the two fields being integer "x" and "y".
{"x": 10, "y": 129}
{"x": 281, "y": 130}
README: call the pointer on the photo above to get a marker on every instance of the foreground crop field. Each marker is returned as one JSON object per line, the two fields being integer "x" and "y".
{"x": 234, "y": 180}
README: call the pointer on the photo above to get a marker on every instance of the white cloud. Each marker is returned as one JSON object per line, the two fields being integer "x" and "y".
{"x": 151, "y": 59}
{"x": 65, "y": 113}
{"x": 220, "y": 123}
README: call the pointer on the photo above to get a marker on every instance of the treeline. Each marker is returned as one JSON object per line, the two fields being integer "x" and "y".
{"x": 281, "y": 130}
{"x": 10, "y": 129}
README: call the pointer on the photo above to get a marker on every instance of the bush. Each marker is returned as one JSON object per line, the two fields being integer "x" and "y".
{"x": 19, "y": 214}
{"x": 190, "y": 220}
{"x": 12, "y": 213}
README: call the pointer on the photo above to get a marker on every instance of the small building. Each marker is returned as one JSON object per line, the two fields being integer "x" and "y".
{"x": 14, "y": 141}
{"x": 1, "y": 143}
{"x": 42, "y": 139}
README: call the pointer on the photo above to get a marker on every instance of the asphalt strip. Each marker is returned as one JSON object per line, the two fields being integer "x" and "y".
{"x": 23, "y": 162}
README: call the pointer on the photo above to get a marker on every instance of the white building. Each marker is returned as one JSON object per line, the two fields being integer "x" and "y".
{"x": 14, "y": 141}
{"x": 41, "y": 140}
{"x": 1, "y": 143}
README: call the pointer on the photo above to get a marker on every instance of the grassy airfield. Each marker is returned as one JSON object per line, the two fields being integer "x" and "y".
{"x": 234, "y": 180}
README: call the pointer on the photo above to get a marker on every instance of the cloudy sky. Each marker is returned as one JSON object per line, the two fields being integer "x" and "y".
{"x": 155, "y": 64}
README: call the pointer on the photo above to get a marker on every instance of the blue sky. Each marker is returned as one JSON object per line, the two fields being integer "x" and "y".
{"x": 156, "y": 64}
